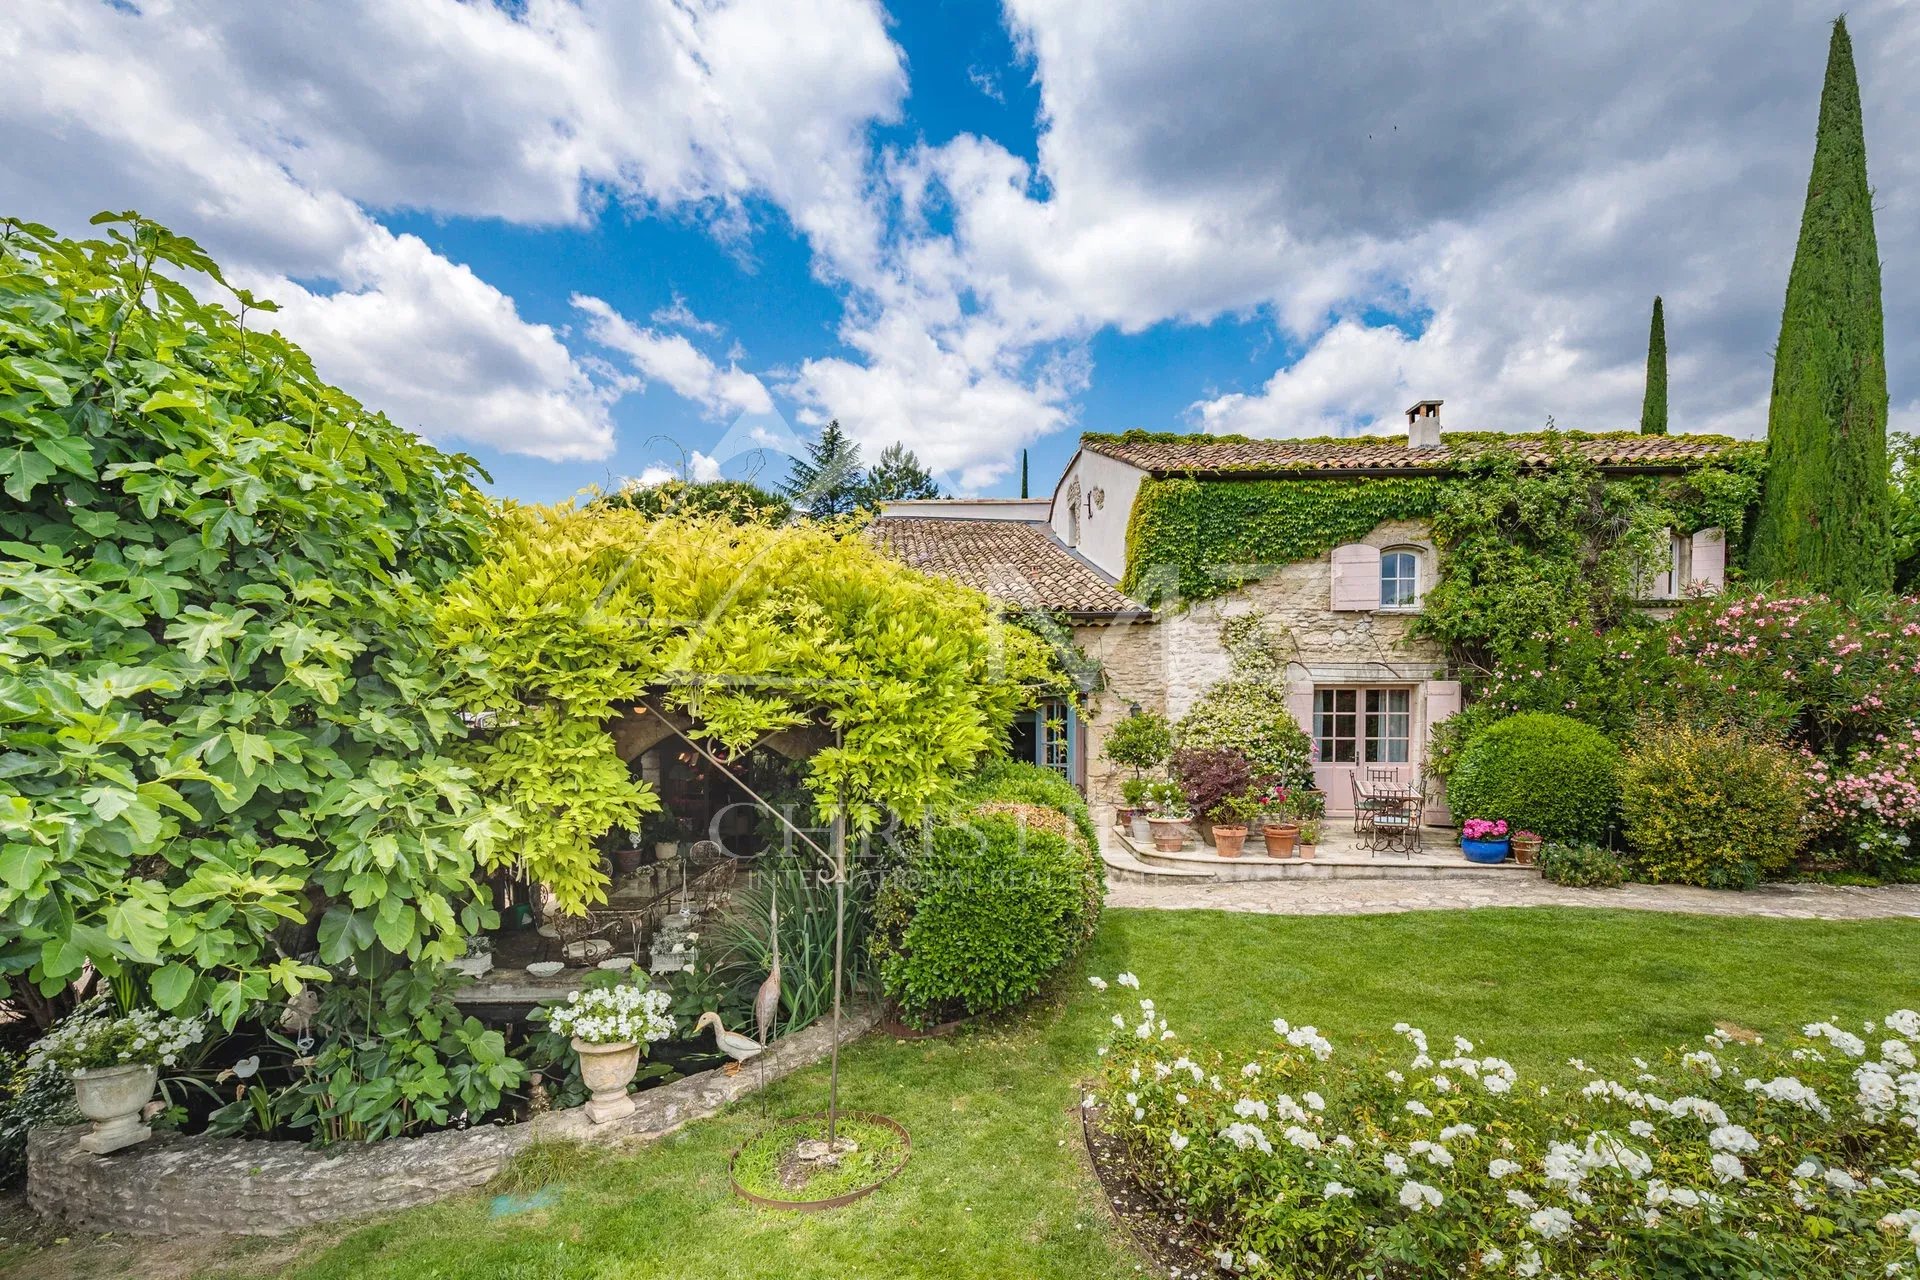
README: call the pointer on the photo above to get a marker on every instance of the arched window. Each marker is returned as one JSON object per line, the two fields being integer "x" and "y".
{"x": 1399, "y": 579}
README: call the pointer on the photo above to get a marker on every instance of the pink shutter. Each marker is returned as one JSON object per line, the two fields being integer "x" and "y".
{"x": 1443, "y": 702}
{"x": 1356, "y": 578}
{"x": 1709, "y": 561}
{"x": 1300, "y": 704}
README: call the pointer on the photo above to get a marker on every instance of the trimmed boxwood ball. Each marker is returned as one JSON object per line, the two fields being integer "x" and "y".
{"x": 1542, "y": 773}
{"x": 986, "y": 909}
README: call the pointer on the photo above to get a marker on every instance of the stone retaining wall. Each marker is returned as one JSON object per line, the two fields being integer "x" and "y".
{"x": 175, "y": 1185}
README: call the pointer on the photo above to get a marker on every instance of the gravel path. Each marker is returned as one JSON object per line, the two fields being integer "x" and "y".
{"x": 1362, "y": 897}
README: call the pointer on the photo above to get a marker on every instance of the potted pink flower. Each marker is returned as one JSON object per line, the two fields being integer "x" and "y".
{"x": 1484, "y": 839}
{"x": 1278, "y": 826}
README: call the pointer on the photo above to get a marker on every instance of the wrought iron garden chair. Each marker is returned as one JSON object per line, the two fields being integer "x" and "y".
{"x": 1393, "y": 824}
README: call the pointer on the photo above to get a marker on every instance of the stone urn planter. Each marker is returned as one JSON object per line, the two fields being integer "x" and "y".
{"x": 607, "y": 1070}
{"x": 1169, "y": 834}
{"x": 112, "y": 1097}
{"x": 1280, "y": 838}
{"x": 1229, "y": 839}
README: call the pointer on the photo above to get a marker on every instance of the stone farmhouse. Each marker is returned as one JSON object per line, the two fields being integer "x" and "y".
{"x": 1364, "y": 685}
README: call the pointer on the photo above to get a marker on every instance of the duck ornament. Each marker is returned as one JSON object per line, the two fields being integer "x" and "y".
{"x": 736, "y": 1046}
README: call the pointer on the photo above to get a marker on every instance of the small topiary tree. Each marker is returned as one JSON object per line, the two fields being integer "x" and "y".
{"x": 984, "y": 912}
{"x": 1140, "y": 742}
{"x": 1710, "y": 806}
{"x": 1540, "y": 772}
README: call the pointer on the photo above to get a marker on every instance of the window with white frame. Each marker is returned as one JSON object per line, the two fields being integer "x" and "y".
{"x": 1399, "y": 579}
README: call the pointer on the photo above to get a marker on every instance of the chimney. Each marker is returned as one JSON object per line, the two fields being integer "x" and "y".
{"x": 1423, "y": 425}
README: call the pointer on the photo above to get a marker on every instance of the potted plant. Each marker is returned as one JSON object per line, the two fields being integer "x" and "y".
{"x": 1133, "y": 806}
{"x": 114, "y": 1061}
{"x": 1484, "y": 839}
{"x": 1277, "y": 824}
{"x": 1230, "y": 817}
{"x": 1167, "y": 817}
{"x": 1526, "y": 847}
{"x": 1141, "y": 741}
{"x": 1309, "y": 836}
{"x": 611, "y": 1027}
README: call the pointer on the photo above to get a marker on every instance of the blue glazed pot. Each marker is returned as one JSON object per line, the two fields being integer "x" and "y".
{"x": 1485, "y": 850}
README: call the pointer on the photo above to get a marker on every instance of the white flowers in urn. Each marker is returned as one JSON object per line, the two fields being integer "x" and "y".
{"x": 611, "y": 1027}
{"x": 114, "y": 1061}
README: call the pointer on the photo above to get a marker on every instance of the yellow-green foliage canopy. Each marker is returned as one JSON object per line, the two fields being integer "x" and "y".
{"x": 576, "y": 614}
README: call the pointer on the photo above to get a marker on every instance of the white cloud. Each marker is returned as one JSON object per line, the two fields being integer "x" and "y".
{"x": 269, "y": 131}
{"x": 672, "y": 359}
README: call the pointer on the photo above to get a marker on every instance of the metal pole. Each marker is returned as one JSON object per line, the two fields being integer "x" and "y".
{"x": 839, "y": 927}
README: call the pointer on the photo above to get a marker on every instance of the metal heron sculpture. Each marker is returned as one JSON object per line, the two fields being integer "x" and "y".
{"x": 766, "y": 1001}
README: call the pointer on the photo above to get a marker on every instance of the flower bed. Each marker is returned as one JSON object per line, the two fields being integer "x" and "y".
{"x": 1736, "y": 1158}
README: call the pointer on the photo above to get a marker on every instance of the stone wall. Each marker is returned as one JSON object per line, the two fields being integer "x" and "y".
{"x": 180, "y": 1186}
{"x": 1165, "y": 665}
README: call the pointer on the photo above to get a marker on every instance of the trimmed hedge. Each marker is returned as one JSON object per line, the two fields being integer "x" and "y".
{"x": 1015, "y": 782}
{"x": 1710, "y": 806}
{"x": 994, "y": 900}
{"x": 1542, "y": 773}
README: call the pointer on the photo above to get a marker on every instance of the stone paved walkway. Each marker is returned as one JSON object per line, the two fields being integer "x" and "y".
{"x": 1363, "y": 897}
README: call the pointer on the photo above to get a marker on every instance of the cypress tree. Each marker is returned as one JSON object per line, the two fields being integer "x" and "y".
{"x": 1653, "y": 409}
{"x": 1824, "y": 513}
{"x": 1023, "y": 473}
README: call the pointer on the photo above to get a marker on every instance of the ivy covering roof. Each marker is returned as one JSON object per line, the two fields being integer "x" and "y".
{"x": 1015, "y": 562}
{"x": 1167, "y": 454}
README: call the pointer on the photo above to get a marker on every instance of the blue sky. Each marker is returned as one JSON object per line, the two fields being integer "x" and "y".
{"x": 591, "y": 241}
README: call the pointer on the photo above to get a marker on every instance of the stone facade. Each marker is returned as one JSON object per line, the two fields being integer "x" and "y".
{"x": 233, "y": 1186}
{"x": 1166, "y": 664}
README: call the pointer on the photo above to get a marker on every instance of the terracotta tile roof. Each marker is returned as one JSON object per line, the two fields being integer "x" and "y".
{"x": 1013, "y": 561}
{"x": 1208, "y": 455}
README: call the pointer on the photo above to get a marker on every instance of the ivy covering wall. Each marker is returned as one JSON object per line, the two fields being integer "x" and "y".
{"x": 1521, "y": 547}
{"x": 1209, "y": 537}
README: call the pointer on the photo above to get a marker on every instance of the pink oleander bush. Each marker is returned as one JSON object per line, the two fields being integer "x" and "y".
{"x": 1837, "y": 682}
{"x": 1305, "y": 1159}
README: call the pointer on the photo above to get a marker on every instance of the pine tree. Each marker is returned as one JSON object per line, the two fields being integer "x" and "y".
{"x": 1653, "y": 410}
{"x": 1824, "y": 514}
{"x": 897, "y": 475}
{"x": 828, "y": 481}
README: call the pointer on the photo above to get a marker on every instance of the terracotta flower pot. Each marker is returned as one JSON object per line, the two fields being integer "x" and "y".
{"x": 1280, "y": 837}
{"x": 1169, "y": 834}
{"x": 1123, "y": 817}
{"x": 1308, "y": 850}
{"x": 1227, "y": 841}
{"x": 607, "y": 1070}
{"x": 112, "y": 1097}
{"x": 1525, "y": 849}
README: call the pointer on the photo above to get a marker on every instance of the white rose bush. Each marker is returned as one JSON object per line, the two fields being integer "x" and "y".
{"x": 1736, "y": 1159}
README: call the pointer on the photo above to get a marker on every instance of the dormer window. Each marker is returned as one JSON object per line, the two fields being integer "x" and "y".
{"x": 1399, "y": 579}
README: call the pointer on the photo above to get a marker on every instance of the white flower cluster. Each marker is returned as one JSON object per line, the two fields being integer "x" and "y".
{"x": 1565, "y": 1177}
{"x": 95, "y": 1038}
{"x": 625, "y": 1014}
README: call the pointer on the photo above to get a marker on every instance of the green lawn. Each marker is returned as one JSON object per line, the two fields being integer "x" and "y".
{"x": 996, "y": 1185}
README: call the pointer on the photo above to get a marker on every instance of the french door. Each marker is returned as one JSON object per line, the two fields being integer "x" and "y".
{"x": 1361, "y": 733}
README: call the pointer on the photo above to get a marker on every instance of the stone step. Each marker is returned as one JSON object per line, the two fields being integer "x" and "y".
{"x": 1122, "y": 865}
{"x": 1334, "y": 861}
